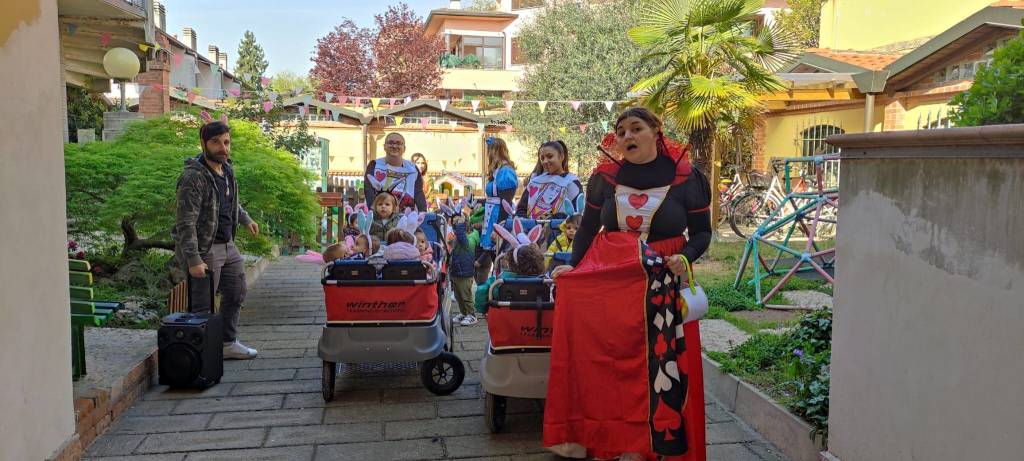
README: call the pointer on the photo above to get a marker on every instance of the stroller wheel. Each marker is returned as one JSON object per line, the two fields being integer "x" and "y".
{"x": 443, "y": 374}
{"x": 330, "y": 376}
{"x": 494, "y": 411}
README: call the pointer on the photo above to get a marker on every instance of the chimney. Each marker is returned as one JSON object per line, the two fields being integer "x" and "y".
{"x": 455, "y": 5}
{"x": 222, "y": 59}
{"x": 161, "y": 15}
{"x": 213, "y": 52}
{"x": 189, "y": 37}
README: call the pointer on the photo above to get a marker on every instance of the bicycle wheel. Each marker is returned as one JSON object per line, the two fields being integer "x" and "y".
{"x": 746, "y": 214}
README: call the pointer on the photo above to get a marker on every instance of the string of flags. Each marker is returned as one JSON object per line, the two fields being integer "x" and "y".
{"x": 377, "y": 102}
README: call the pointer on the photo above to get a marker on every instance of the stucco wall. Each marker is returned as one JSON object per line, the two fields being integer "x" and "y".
{"x": 843, "y": 21}
{"x": 36, "y": 414}
{"x": 782, "y": 132}
{"x": 929, "y": 308}
{"x": 345, "y": 145}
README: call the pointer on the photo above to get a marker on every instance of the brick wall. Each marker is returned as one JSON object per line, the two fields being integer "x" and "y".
{"x": 97, "y": 409}
{"x": 895, "y": 110}
{"x": 155, "y": 102}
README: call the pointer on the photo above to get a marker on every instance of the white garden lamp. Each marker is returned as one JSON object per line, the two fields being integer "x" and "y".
{"x": 122, "y": 65}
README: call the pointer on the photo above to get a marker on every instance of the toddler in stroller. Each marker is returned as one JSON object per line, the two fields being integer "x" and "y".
{"x": 381, "y": 310}
{"x": 520, "y": 315}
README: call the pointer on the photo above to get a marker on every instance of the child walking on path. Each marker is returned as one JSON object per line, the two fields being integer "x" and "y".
{"x": 462, "y": 270}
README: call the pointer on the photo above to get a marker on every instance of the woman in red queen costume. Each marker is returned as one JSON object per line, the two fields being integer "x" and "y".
{"x": 625, "y": 379}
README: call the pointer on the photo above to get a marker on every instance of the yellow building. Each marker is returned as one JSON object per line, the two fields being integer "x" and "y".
{"x": 880, "y": 89}
{"x": 452, "y": 140}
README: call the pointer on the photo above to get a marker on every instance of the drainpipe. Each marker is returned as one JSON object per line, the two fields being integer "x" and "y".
{"x": 869, "y": 112}
{"x": 366, "y": 139}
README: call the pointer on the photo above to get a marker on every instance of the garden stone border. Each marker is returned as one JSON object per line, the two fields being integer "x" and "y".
{"x": 780, "y": 427}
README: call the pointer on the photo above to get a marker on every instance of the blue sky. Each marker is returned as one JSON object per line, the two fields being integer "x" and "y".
{"x": 287, "y": 30}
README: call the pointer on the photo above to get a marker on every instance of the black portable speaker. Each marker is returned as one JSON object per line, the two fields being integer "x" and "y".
{"x": 191, "y": 346}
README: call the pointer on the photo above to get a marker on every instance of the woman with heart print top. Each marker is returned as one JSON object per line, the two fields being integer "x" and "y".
{"x": 395, "y": 175}
{"x": 619, "y": 314}
{"x": 552, "y": 191}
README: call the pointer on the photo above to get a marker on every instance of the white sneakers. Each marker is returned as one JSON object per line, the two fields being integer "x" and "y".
{"x": 468, "y": 320}
{"x": 458, "y": 318}
{"x": 236, "y": 350}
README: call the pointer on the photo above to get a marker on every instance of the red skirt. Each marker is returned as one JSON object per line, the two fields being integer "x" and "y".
{"x": 625, "y": 373}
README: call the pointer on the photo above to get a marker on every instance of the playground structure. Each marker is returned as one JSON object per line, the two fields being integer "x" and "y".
{"x": 803, "y": 211}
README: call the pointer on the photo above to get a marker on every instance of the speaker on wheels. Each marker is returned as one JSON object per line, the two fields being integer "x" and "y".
{"x": 191, "y": 346}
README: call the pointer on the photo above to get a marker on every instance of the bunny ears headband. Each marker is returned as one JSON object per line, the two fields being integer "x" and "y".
{"x": 450, "y": 208}
{"x": 364, "y": 219}
{"x": 207, "y": 118}
{"x": 517, "y": 238}
{"x": 411, "y": 221}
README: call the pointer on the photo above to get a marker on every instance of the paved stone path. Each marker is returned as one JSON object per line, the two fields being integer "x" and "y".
{"x": 271, "y": 409}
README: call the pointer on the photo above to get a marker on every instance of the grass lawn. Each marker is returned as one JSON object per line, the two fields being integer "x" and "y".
{"x": 716, "y": 271}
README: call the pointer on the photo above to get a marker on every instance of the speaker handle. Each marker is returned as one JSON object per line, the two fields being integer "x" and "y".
{"x": 188, "y": 288}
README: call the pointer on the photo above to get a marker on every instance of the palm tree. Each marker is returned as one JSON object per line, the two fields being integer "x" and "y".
{"x": 711, "y": 64}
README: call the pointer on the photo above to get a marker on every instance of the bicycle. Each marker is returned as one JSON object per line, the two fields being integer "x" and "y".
{"x": 751, "y": 209}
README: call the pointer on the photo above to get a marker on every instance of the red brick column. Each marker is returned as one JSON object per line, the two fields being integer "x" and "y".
{"x": 894, "y": 114}
{"x": 154, "y": 102}
{"x": 759, "y": 157}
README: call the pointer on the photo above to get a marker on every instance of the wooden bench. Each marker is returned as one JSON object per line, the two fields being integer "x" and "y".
{"x": 85, "y": 311}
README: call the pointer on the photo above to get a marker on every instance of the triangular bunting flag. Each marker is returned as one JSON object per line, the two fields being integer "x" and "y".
{"x": 334, "y": 115}
{"x": 608, "y": 105}
{"x": 328, "y": 96}
{"x": 177, "y": 59}
{"x": 72, "y": 28}
{"x": 143, "y": 47}
{"x": 265, "y": 81}
{"x": 267, "y": 105}
{"x": 604, "y": 126}
{"x": 408, "y": 99}
{"x": 399, "y": 119}
{"x": 576, "y": 105}
{"x": 562, "y": 129}
{"x": 302, "y": 111}
{"x": 298, "y": 90}
{"x": 479, "y": 126}
{"x": 375, "y": 102}
{"x": 230, "y": 100}
{"x": 475, "y": 104}
{"x": 105, "y": 39}
{"x": 190, "y": 97}
{"x": 197, "y": 90}
{"x": 392, "y": 101}
{"x": 453, "y": 124}
{"x": 214, "y": 68}
{"x": 424, "y": 121}
{"x": 273, "y": 95}
{"x": 234, "y": 92}
{"x": 157, "y": 86}
{"x": 508, "y": 128}
{"x": 542, "y": 105}
{"x": 583, "y": 128}
{"x": 444, "y": 104}
{"x": 508, "y": 106}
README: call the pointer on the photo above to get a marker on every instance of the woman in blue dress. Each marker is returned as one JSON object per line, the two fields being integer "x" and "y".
{"x": 502, "y": 183}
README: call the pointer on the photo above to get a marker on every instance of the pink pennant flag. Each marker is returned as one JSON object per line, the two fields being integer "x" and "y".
{"x": 267, "y": 105}
{"x": 342, "y": 99}
{"x": 177, "y": 59}
{"x": 105, "y": 39}
{"x": 583, "y": 128}
{"x": 265, "y": 81}
{"x": 234, "y": 92}
{"x": 392, "y": 101}
{"x": 191, "y": 97}
{"x": 576, "y": 105}
{"x": 508, "y": 128}
{"x": 508, "y": 106}
{"x": 424, "y": 121}
{"x": 157, "y": 86}
{"x": 408, "y": 99}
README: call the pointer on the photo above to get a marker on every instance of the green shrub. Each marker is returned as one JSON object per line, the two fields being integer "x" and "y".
{"x": 131, "y": 182}
{"x": 723, "y": 295}
{"x": 997, "y": 96}
{"x": 792, "y": 367}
